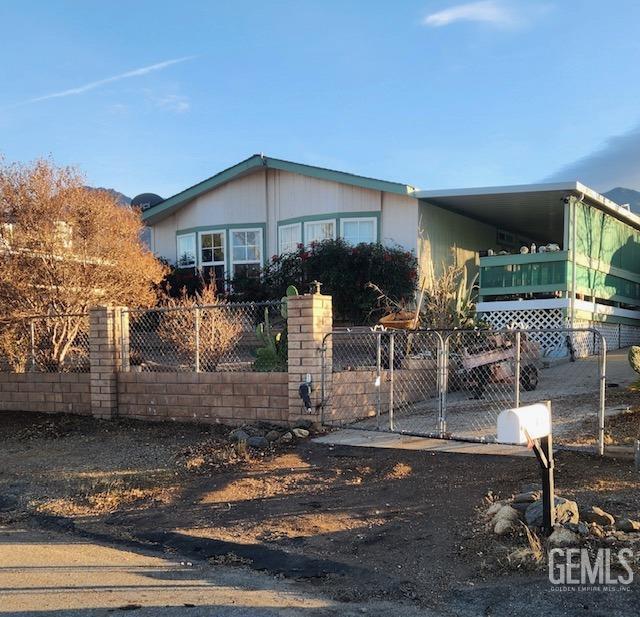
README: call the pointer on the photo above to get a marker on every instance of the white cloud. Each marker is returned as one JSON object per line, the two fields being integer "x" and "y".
{"x": 487, "y": 11}
{"x": 615, "y": 163}
{"x": 92, "y": 85}
{"x": 174, "y": 102}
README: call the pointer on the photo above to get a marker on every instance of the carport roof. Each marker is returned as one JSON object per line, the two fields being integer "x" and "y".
{"x": 536, "y": 210}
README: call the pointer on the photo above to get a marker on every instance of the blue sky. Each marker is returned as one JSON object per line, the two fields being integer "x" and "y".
{"x": 155, "y": 96}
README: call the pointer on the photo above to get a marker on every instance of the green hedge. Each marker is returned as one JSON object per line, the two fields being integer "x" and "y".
{"x": 344, "y": 272}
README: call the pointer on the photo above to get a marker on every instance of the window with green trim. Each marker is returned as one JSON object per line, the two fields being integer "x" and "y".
{"x": 213, "y": 254}
{"x": 186, "y": 250}
{"x": 317, "y": 231}
{"x": 289, "y": 236}
{"x": 246, "y": 252}
{"x": 358, "y": 230}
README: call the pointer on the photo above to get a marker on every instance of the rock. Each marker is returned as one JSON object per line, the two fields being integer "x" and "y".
{"x": 285, "y": 438}
{"x": 254, "y": 431}
{"x": 493, "y": 508}
{"x": 257, "y": 441}
{"x": 521, "y": 507}
{"x": 566, "y": 512}
{"x": 634, "y": 358}
{"x": 503, "y": 526}
{"x": 301, "y": 433}
{"x": 596, "y": 530}
{"x": 528, "y": 497}
{"x": 599, "y": 516}
{"x": 530, "y": 488}
{"x": 628, "y": 525}
{"x": 581, "y": 528}
{"x": 562, "y": 536}
{"x": 506, "y": 513}
{"x": 272, "y": 435}
{"x": 8, "y": 502}
{"x": 303, "y": 423}
{"x": 238, "y": 434}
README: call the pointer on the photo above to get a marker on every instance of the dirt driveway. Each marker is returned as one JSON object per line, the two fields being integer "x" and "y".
{"x": 350, "y": 524}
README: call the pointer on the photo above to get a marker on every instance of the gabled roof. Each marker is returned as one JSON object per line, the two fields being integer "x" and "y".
{"x": 257, "y": 161}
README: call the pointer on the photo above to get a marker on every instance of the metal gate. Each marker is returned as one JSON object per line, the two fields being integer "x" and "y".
{"x": 453, "y": 384}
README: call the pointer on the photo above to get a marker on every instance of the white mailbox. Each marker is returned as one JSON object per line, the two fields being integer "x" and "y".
{"x": 514, "y": 424}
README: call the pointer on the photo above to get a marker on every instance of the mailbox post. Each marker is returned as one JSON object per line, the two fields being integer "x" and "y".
{"x": 543, "y": 449}
{"x": 531, "y": 426}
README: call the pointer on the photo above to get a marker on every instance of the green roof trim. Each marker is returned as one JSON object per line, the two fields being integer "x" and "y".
{"x": 258, "y": 161}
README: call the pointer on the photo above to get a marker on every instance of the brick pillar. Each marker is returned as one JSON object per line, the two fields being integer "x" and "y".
{"x": 310, "y": 318}
{"x": 105, "y": 355}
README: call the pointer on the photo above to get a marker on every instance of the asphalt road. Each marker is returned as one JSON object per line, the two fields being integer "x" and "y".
{"x": 48, "y": 574}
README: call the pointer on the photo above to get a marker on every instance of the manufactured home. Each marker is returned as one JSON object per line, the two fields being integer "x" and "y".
{"x": 548, "y": 255}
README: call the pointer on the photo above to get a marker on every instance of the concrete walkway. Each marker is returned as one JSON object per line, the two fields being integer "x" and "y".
{"x": 375, "y": 439}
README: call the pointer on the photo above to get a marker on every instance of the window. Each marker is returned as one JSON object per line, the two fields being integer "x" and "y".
{"x": 289, "y": 237}
{"x": 246, "y": 252}
{"x": 317, "y": 231}
{"x": 357, "y": 230}
{"x": 212, "y": 255}
{"x": 212, "y": 248}
{"x": 186, "y": 250}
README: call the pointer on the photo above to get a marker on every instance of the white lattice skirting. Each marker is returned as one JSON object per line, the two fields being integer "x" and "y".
{"x": 616, "y": 336}
{"x": 552, "y": 343}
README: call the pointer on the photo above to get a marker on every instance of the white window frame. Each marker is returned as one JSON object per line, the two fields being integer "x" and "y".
{"x": 307, "y": 242}
{"x": 360, "y": 219}
{"x": 224, "y": 248}
{"x": 179, "y": 237}
{"x": 233, "y": 262}
{"x": 287, "y": 226}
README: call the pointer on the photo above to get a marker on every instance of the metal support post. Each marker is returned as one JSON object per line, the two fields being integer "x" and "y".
{"x": 378, "y": 379}
{"x": 391, "y": 378}
{"x": 32, "y": 334}
{"x": 517, "y": 368}
{"x": 603, "y": 392}
{"x": 197, "y": 338}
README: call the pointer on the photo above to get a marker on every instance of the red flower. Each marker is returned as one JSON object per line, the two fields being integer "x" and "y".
{"x": 274, "y": 258}
{"x": 300, "y": 245}
{"x": 304, "y": 256}
{"x": 387, "y": 257}
{"x": 412, "y": 275}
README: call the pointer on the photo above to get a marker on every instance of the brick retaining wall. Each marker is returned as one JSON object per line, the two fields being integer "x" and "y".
{"x": 228, "y": 398}
{"x": 46, "y": 392}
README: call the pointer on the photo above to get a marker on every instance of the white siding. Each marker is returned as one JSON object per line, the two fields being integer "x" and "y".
{"x": 399, "y": 224}
{"x": 274, "y": 195}
{"x": 297, "y": 195}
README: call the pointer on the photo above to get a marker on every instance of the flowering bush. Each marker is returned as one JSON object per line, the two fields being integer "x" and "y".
{"x": 344, "y": 271}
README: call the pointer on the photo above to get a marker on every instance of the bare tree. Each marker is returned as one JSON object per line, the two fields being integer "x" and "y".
{"x": 219, "y": 330}
{"x": 64, "y": 248}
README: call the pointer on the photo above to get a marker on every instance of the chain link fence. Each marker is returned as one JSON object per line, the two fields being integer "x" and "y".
{"x": 221, "y": 337}
{"x": 45, "y": 344}
{"x": 455, "y": 383}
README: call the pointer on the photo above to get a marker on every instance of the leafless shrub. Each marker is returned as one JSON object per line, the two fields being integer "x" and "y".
{"x": 63, "y": 249}
{"x": 219, "y": 332}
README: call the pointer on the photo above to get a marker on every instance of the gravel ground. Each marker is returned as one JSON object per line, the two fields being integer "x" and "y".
{"x": 350, "y": 524}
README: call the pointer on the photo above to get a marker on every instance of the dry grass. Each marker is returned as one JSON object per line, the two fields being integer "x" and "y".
{"x": 104, "y": 496}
